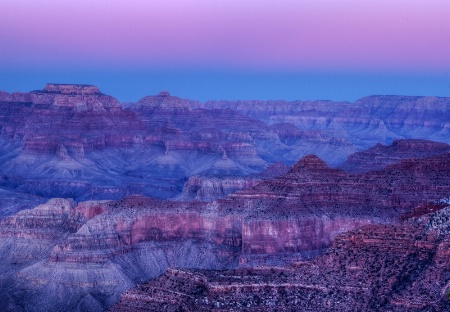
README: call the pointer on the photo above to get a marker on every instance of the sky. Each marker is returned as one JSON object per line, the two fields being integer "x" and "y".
{"x": 228, "y": 49}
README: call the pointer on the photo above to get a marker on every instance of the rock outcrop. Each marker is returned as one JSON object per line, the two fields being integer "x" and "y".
{"x": 380, "y": 156}
{"x": 396, "y": 267}
{"x": 207, "y": 188}
{"x": 72, "y": 89}
{"x": 313, "y": 188}
{"x": 62, "y": 256}
{"x": 163, "y": 101}
{"x": 365, "y": 122}
{"x": 66, "y": 140}
{"x": 74, "y": 141}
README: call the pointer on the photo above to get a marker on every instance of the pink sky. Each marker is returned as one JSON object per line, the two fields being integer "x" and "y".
{"x": 411, "y": 35}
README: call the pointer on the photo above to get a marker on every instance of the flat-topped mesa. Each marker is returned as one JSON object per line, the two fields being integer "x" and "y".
{"x": 393, "y": 100}
{"x": 79, "y": 96}
{"x": 78, "y": 89}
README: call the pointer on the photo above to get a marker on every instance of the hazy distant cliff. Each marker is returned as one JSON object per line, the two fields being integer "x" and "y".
{"x": 74, "y": 141}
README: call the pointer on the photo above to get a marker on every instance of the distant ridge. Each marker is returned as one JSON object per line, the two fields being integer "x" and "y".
{"x": 70, "y": 140}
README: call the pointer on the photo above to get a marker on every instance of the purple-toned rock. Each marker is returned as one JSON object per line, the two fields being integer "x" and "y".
{"x": 162, "y": 101}
{"x": 206, "y": 188}
{"x": 62, "y": 256}
{"x": 74, "y": 141}
{"x": 365, "y": 122}
{"x": 78, "y": 89}
{"x": 380, "y": 156}
{"x": 396, "y": 267}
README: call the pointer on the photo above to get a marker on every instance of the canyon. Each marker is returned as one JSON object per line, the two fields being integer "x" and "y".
{"x": 74, "y": 141}
{"x": 81, "y": 257}
{"x": 172, "y": 204}
{"x": 395, "y": 267}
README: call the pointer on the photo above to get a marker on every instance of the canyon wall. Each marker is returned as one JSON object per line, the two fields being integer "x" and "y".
{"x": 395, "y": 267}
{"x": 369, "y": 120}
{"x": 62, "y": 256}
{"x": 74, "y": 141}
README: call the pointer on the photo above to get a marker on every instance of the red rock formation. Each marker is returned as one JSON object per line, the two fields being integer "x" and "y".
{"x": 66, "y": 254}
{"x": 397, "y": 267}
{"x": 80, "y": 143}
{"x": 290, "y": 218}
{"x": 312, "y": 188}
{"x": 86, "y": 146}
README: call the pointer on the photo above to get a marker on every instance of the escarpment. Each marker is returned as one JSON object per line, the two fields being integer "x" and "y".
{"x": 380, "y": 156}
{"x": 108, "y": 247}
{"x": 71, "y": 140}
{"x": 378, "y": 118}
{"x": 266, "y": 212}
{"x": 395, "y": 267}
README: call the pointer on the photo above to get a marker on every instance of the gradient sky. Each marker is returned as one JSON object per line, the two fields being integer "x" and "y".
{"x": 229, "y": 49}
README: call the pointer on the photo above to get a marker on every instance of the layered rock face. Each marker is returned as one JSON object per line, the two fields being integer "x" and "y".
{"x": 63, "y": 257}
{"x": 365, "y": 122}
{"x": 380, "y": 156}
{"x": 78, "y": 143}
{"x": 72, "y": 89}
{"x": 328, "y": 201}
{"x": 58, "y": 141}
{"x": 312, "y": 188}
{"x": 59, "y": 256}
{"x": 206, "y": 188}
{"x": 74, "y": 141}
{"x": 396, "y": 267}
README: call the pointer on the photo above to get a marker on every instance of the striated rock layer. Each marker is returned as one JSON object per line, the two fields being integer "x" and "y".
{"x": 74, "y": 141}
{"x": 372, "y": 119}
{"x": 71, "y": 140}
{"x": 61, "y": 256}
{"x": 208, "y": 188}
{"x": 396, "y": 267}
{"x": 380, "y": 156}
